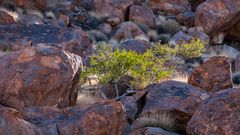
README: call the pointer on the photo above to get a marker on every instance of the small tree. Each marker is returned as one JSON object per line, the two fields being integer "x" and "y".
{"x": 150, "y": 67}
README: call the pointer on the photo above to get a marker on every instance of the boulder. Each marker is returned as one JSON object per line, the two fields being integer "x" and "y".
{"x": 170, "y": 6}
{"x": 5, "y": 18}
{"x": 12, "y": 123}
{"x": 141, "y": 15}
{"x": 27, "y": 4}
{"x": 102, "y": 118}
{"x": 152, "y": 131}
{"x": 217, "y": 115}
{"x": 128, "y": 30}
{"x": 19, "y": 37}
{"x": 137, "y": 45}
{"x": 195, "y": 3}
{"x": 198, "y": 33}
{"x": 214, "y": 75}
{"x": 180, "y": 38}
{"x": 186, "y": 18}
{"x": 39, "y": 76}
{"x": 169, "y": 105}
{"x": 217, "y": 16}
{"x": 112, "y": 8}
{"x": 234, "y": 32}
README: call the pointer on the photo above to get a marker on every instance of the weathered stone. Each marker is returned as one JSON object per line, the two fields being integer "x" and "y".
{"x": 217, "y": 16}
{"x": 128, "y": 30}
{"x": 152, "y": 131}
{"x": 170, "y": 6}
{"x": 169, "y": 105}
{"x": 21, "y": 36}
{"x": 180, "y": 38}
{"x": 214, "y": 75}
{"x": 234, "y": 32}
{"x": 198, "y": 33}
{"x": 195, "y": 3}
{"x": 139, "y": 46}
{"x": 186, "y": 18}
{"x": 141, "y": 15}
{"x": 218, "y": 115}
{"x": 102, "y": 118}
{"x": 12, "y": 123}
{"x": 111, "y": 8}
{"x": 39, "y": 76}
{"x": 5, "y": 18}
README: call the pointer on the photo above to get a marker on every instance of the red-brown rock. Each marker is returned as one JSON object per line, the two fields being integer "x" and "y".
{"x": 128, "y": 30}
{"x": 234, "y": 32}
{"x": 141, "y": 15}
{"x": 39, "y": 76}
{"x": 102, "y": 118}
{"x": 218, "y": 115}
{"x": 12, "y": 123}
{"x": 169, "y": 105}
{"x": 21, "y": 36}
{"x": 214, "y": 75}
{"x": 195, "y": 3}
{"x": 217, "y": 15}
{"x": 186, "y": 18}
{"x": 170, "y": 6}
{"x": 152, "y": 131}
{"x": 111, "y": 8}
{"x": 139, "y": 46}
{"x": 5, "y": 18}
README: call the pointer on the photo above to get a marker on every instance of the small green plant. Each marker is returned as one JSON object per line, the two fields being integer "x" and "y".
{"x": 155, "y": 64}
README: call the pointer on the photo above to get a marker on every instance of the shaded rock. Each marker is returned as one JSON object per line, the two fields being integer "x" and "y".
{"x": 21, "y": 36}
{"x": 217, "y": 115}
{"x": 39, "y": 76}
{"x": 186, "y": 18}
{"x": 198, "y": 33}
{"x": 234, "y": 32}
{"x": 195, "y": 3}
{"x": 5, "y": 18}
{"x": 237, "y": 63}
{"x": 128, "y": 30}
{"x": 139, "y": 46}
{"x": 27, "y": 4}
{"x": 111, "y": 8}
{"x": 12, "y": 123}
{"x": 102, "y": 118}
{"x": 214, "y": 75}
{"x": 170, "y": 6}
{"x": 217, "y": 16}
{"x": 30, "y": 19}
{"x": 180, "y": 38}
{"x": 169, "y": 105}
{"x": 109, "y": 90}
{"x": 141, "y": 15}
{"x": 152, "y": 131}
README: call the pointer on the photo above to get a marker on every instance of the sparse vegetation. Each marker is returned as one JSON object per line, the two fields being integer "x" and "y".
{"x": 157, "y": 63}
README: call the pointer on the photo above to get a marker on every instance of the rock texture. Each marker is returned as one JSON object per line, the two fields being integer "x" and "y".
{"x": 139, "y": 46}
{"x": 102, "y": 118}
{"x": 152, "y": 131}
{"x": 217, "y": 15}
{"x": 170, "y": 105}
{"x": 218, "y": 115}
{"x": 214, "y": 75}
{"x": 39, "y": 76}
{"x": 128, "y": 30}
{"x": 141, "y": 15}
{"x": 19, "y": 37}
{"x": 5, "y": 18}
{"x": 170, "y": 6}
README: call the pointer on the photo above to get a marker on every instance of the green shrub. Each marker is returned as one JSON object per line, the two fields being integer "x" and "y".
{"x": 154, "y": 65}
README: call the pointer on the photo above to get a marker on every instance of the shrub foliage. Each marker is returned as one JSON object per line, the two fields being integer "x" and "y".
{"x": 158, "y": 62}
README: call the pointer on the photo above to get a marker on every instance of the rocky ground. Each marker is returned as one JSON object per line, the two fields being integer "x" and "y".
{"x": 44, "y": 45}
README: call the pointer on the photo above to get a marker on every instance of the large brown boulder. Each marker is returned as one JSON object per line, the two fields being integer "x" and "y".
{"x": 217, "y": 15}
{"x": 5, "y": 18}
{"x": 27, "y": 4}
{"x": 12, "y": 123}
{"x": 141, "y": 15}
{"x": 128, "y": 30}
{"x": 102, "y": 118}
{"x": 218, "y": 115}
{"x": 41, "y": 76}
{"x": 18, "y": 37}
{"x": 170, "y": 6}
{"x": 234, "y": 32}
{"x": 214, "y": 75}
{"x": 111, "y": 8}
{"x": 169, "y": 105}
